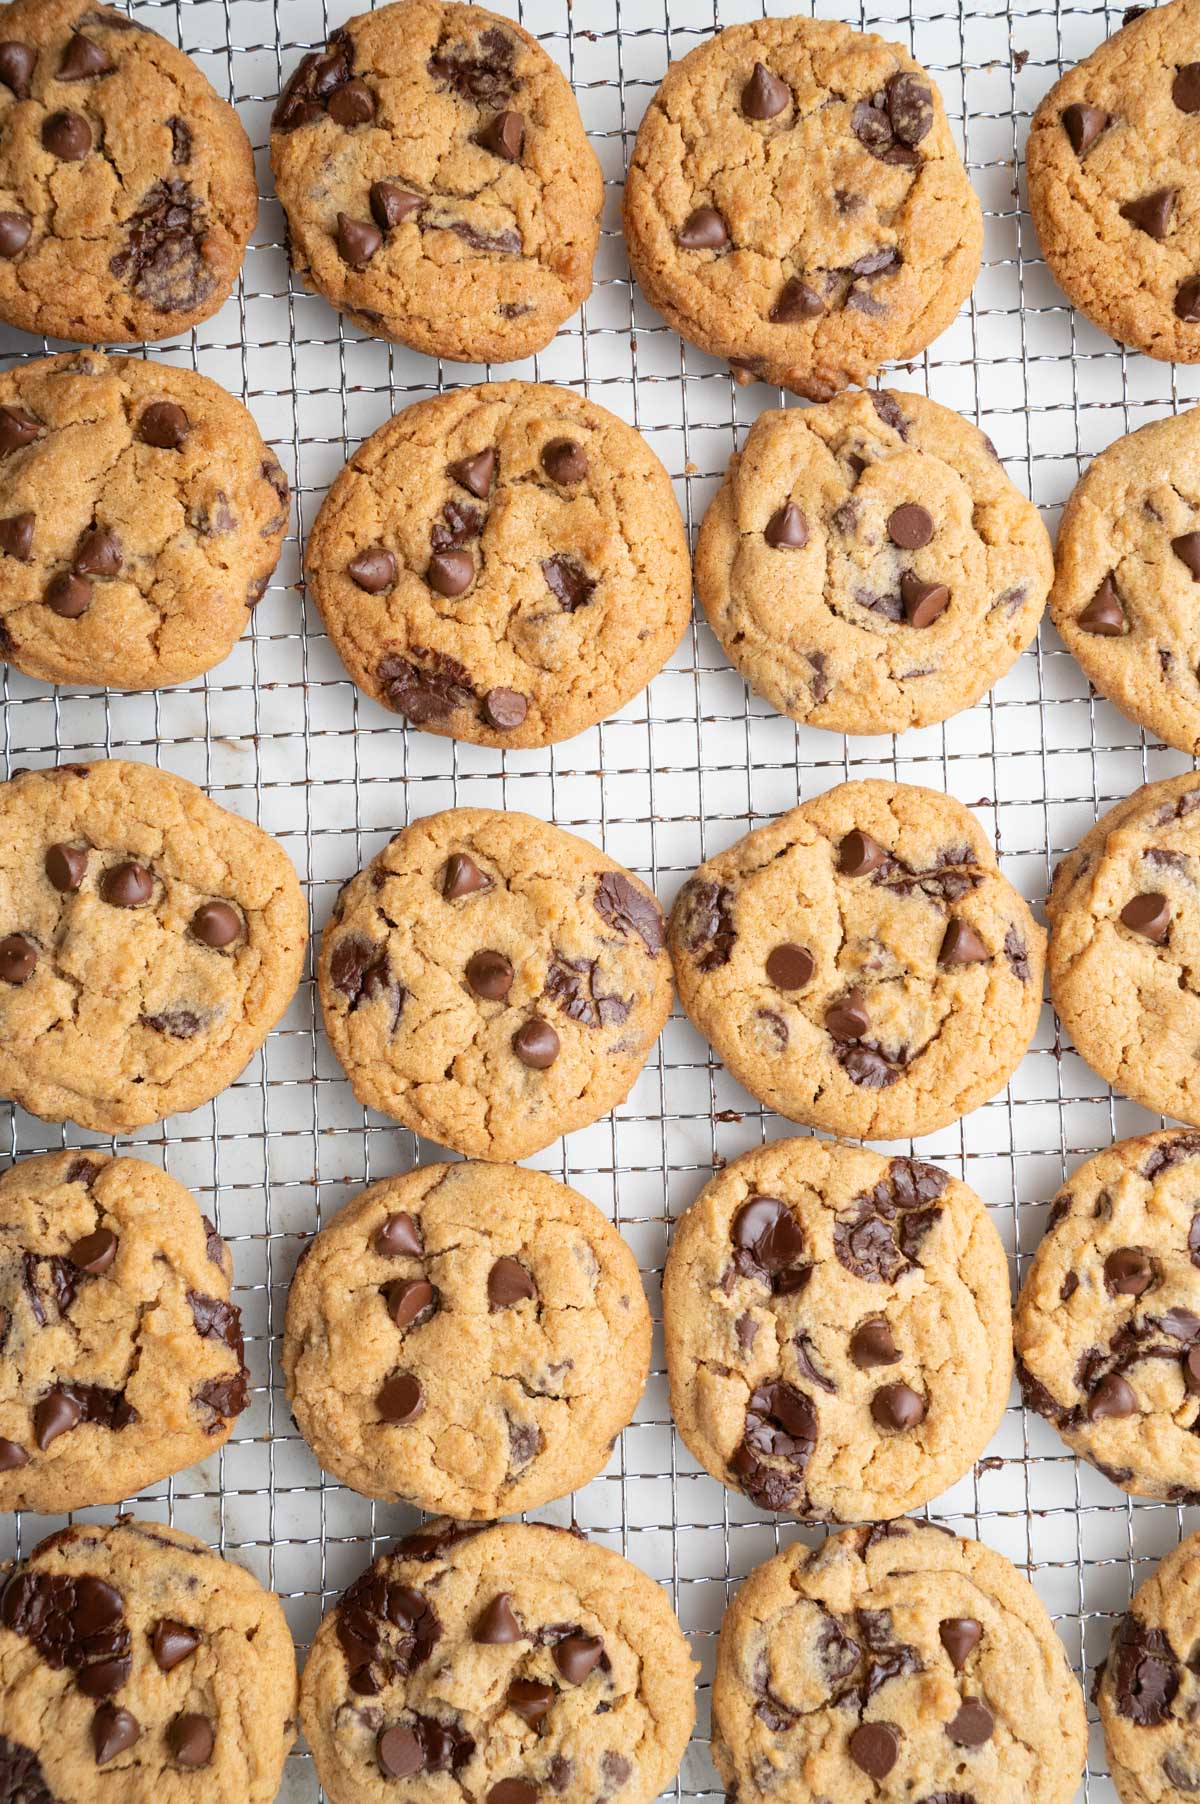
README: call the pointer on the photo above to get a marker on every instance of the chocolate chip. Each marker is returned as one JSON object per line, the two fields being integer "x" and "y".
{"x": 566, "y": 578}
{"x": 69, "y": 596}
{"x": 357, "y": 240}
{"x": 83, "y": 58}
{"x": 99, "y": 553}
{"x": 513, "y": 1791}
{"x": 1191, "y": 1370}
{"x": 1151, "y": 213}
{"x": 164, "y": 425}
{"x": 1083, "y": 125}
{"x": 18, "y": 959}
{"x": 373, "y": 570}
{"x": 67, "y": 136}
{"x": 875, "y": 1748}
{"x": 477, "y": 473}
{"x": 1148, "y": 915}
{"x": 15, "y": 232}
{"x": 497, "y": 1625}
{"x": 910, "y": 526}
{"x": 398, "y": 1237}
{"x": 504, "y": 709}
{"x": 972, "y": 1726}
{"x": 960, "y": 1636}
{"x": 463, "y": 877}
{"x": 191, "y": 1740}
{"x": 489, "y": 974}
{"x": 399, "y": 1753}
{"x": 910, "y": 108}
{"x": 1185, "y": 89}
{"x": 790, "y": 967}
{"x": 54, "y": 1415}
{"x": 65, "y": 866}
{"x": 703, "y": 230}
{"x": 530, "y": 1699}
{"x": 95, "y": 1252}
{"x": 450, "y": 573}
{"x": 898, "y": 1406}
{"x": 848, "y": 1019}
{"x": 504, "y": 136}
{"x": 16, "y": 536}
{"x": 400, "y": 1399}
{"x": 113, "y": 1730}
{"x": 787, "y": 529}
{"x": 171, "y": 1642}
{"x": 1128, "y": 1272}
{"x": 564, "y": 461}
{"x": 409, "y": 1300}
{"x": 923, "y": 602}
{"x": 12, "y": 1455}
{"x": 509, "y": 1284}
{"x": 16, "y": 67}
{"x": 216, "y": 924}
{"x": 1103, "y": 614}
{"x": 353, "y": 104}
{"x": 578, "y": 1656}
{"x": 1111, "y": 1398}
{"x": 1187, "y": 301}
{"x": 859, "y": 854}
{"x": 1187, "y": 549}
{"x": 392, "y": 205}
{"x": 796, "y": 301}
{"x": 17, "y": 428}
{"x": 127, "y": 885}
{"x": 536, "y": 1044}
{"x": 764, "y": 95}
{"x": 872, "y": 1344}
{"x": 770, "y": 1244}
{"x": 961, "y": 945}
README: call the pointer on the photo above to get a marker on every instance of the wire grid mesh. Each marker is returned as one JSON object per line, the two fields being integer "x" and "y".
{"x": 277, "y": 732}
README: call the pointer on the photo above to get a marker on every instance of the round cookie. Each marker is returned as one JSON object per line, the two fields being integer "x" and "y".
{"x": 505, "y": 563}
{"x": 860, "y": 964}
{"x": 137, "y": 1666}
{"x": 123, "y": 1358}
{"x": 468, "y": 1338}
{"x": 868, "y": 566}
{"x": 149, "y": 941}
{"x": 838, "y": 1334}
{"x": 127, "y": 187}
{"x": 1125, "y": 946}
{"x": 796, "y": 203}
{"x": 1112, "y": 158}
{"x": 493, "y": 982}
{"x": 141, "y": 517}
{"x": 1148, "y": 1689}
{"x": 894, "y": 1665}
{"x": 438, "y": 182}
{"x": 559, "y": 1671}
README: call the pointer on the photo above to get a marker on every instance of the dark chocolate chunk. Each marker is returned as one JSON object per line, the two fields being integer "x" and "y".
{"x": 1187, "y": 301}
{"x": 565, "y": 462}
{"x": 99, "y": 553}
{"x": 17, "y": 429}
{"x": 58, "y": 1413}
{"x": 1187, "y": 549}
{"x": 1112, "y": 1398}
{"x": 352, "y": 104}
{"x": 769, "y": 1245}
{"x": 1104, "y": 614}
{"x": 164, "y": 258}
{"x": 629, "y": 910}
{"x": 95, "y": 1252}
{"x": 1145, "y": 1673}
{"x": 1185, "y": 89}
{"x": 569, "y": 581}
{"x": 881, "y": 1238}
{"x": 1128, "y": 1272}
{"x": 463, "y": 877}
{"x": 16, "y": 536}
{"x": 530, "y": 1699}
{"x": 704, "y": 913}
{"x": 578, "y": 1656}
{"x": 873, "y": 1344}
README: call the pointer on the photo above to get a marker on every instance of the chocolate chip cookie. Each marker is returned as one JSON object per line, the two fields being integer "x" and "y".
{"x": 1125, "y": 946}
{"x": 469, "y": 1338}
{"x": 149, "y": 941}
{"x": 868, "y": 566}
{"x": 506, "y": 564}
{"x": 127, "y": 188}
{"x": 438, "y": 183}
{"x": 838, "y": 1333}
{"x": 860, "y": 964}
{"x": 493, "y": 982}
{"x": 796, "y": 203}
{"x": 1149, "y": 1692}
{"x": 517, "y": 1661}
{"x": 1112, "y": 161}
{"x": 141, "y": 517}
{"x": 894, "y": 1663}
{"x": 136, "y": 1665}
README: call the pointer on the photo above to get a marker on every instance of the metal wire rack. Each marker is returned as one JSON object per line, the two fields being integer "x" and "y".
{"x": 278, "y": 733}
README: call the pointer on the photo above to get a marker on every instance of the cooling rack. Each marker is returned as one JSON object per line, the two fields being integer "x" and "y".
{"x": 278, "y": 733}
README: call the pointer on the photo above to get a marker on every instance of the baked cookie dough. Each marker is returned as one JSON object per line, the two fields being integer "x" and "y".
{"x": 127, "y": 188}
{"x": 868, "y": 566}
{"x": 860, "y": 964}
{"x": 137, "y": 1666}
{"x": 1149, "y": 1692}
{"x": 796, "y": 203}
{"x": 505, "y": 563}
{"x": 1125, "y": 946}
{"x": 518, "y": 1659}
{"x": 141, "y": 517}
{"x": 1112, "y": 159}
{"x": 149, "y": 942}
{"x": 438, "y": 182}
{"x": 493, "y": 982}
{"x": 894, "y": 1665}
{"x": 838, "y": 1333}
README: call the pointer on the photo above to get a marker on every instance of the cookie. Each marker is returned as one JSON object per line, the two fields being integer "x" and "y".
{"x": 1111, "y": 158}
{"x": 860, "y": 964}
{"x": 123, "y": 1358}
{"x": 796, "y": 204}
{"x": 493, "y": 982}
{"x": 838, "y": 1334}
{"x": 127, "y": 188}
{"x": 149, "y": 941}
{"x": 1125, "y": 946}
{"x": 868, "y": 566}
{"x": 898, "y": 1664}
{"x": 141, "y": 517}
{"x": 1148, "y": 1690}
{"x": 438, "y": 182}
{"x": 468, "y": 1338}
{"x": 515, "y": 1662}
{"x": 136, "y": 1665}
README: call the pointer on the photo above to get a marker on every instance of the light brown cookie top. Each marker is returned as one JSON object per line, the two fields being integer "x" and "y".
{"x": 796, "y": 203}
{"x": 1112, "y": 160}
{"x": 506, "y": 564}
{"x": 149, "y": 941}
{"x": 469, "y": 1338}
{"x": 137, "y": 1666}
{"x": 894, "y": 1664}
{"x": 438, "y": 182}
{"x": 1149, "y": 1691}
{"x": 518, "y": 1659}
{"x": 141, "y": 516}
{"x": 493, "y": 982}
{"x": 1125, "y": 946}
{"x": 838, "y": 1333}
{"x": 868, "y": 566}
{"x": 127, "y": 188}
{"x": 123, "y": 1358}
{"x": 860, "y": 964}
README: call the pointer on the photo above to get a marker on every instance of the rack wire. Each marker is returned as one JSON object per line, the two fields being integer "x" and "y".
{"x": 277, "y": 732}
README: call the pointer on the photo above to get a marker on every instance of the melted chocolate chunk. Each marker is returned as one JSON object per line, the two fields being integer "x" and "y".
{"x": 704, "y": 912}
{"x": 225, "y": 1397}
{"x": 781, "y": 1424}
{"x": 319, "y": 76}
{"x": 385, "y": 1630}
{"x": 76, "y": 1624}
{"x": 459, "y": 525}
{"x": 769, "y": 1245}
{"x": 1144, "y": 1671}
{"x": 571, "y": 983}
{"x": 181, "y": 141}
{"x": 629, "y": 910}
{"x": 483, "y": 71}
{"x": 567, "y": 578}
{"x": 881, "y": 1239}
{"x": 21, "y": 1778}
{"x": 1017, "y": 954}
{"x": 428, "y": 691}
{"x": 164, "y": 261}
{"x": 1171, "y": 1151}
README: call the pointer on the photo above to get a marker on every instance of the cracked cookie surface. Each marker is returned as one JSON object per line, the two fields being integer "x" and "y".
{"x": 515, "y": 1662}
{"x": 1148, "y": 1689}
{"x": 149, "y": 941}
{"x": 141, "y": 517}
{"x": 796, "y": 203}
{"x": 838, "y": 1334}
{"x": 894, "y": 1664}
{"x": 127, "y": 187}
{"x": 136, "y": 1667}
{"x": 438, "y": 182}
{"x": 468, "y": 1338}
{"x": 860, "y": 964}
{"x": 123, "y": 1358}
{"x": 868, "y": 566}
{"x": 1112, "y": 159}
{"x": 493, "y": 982}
